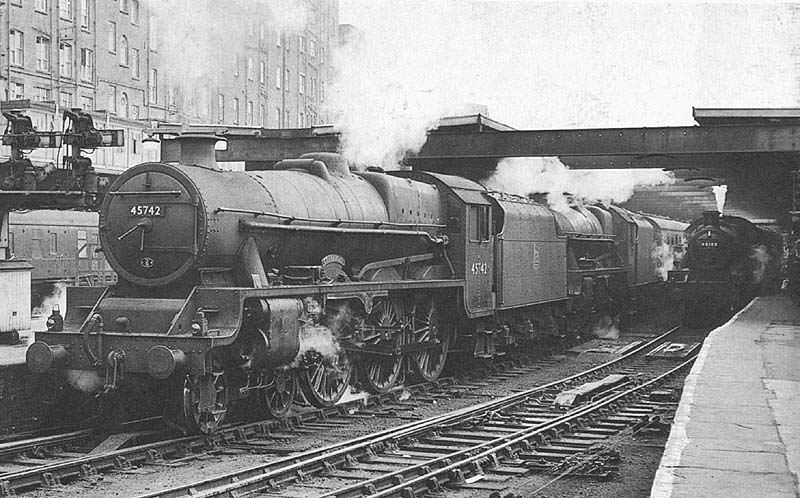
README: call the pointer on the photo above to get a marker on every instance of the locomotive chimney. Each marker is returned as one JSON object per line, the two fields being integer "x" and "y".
{"x": 198, "y": 149}
{"x": 711, "y": 218}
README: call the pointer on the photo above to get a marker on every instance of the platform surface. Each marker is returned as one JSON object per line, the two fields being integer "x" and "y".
{"x": 737, "y": 430}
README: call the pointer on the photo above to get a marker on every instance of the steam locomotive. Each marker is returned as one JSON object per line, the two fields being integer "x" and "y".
{"x": 728, "y": 261}
{"x": 313, "y": 276}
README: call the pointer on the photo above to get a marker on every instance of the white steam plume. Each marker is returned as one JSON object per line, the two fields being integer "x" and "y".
{"x": 719, "y": 195}
{"x": 386, "y": 98}
{"x": 760, "y": 259}
{"x": 320, "y": 339}
{"x": 606, "y": 327}
{"x": 664, "y": 256}
{"x": 548, "y": 175}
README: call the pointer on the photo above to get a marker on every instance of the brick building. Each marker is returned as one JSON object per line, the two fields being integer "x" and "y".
{"x": 117, "y": 57}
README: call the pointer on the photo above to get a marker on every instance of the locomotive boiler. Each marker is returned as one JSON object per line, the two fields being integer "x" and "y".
{"x": 250, "y": 285}
{"x": 728, "y": 261}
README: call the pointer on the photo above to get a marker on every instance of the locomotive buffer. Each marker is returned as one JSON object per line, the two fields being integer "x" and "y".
{"x": 23, "y": 185}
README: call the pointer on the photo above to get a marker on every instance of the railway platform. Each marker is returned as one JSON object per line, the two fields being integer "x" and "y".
{"x": 737, "y": 429}
{"x": 15, "y": 354}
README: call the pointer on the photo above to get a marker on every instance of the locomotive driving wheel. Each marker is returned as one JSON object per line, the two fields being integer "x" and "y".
{"x": 205, "y": 400}
{"x": 324, "y": 378}
{"x": 281, "y": 387}
{"x": 426, "y": 327}
{"x": 380, "y": 371}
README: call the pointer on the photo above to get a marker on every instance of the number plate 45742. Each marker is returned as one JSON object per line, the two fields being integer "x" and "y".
{"x": 146, "y": 210}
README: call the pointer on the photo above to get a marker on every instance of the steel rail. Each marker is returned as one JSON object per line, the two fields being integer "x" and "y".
{"x": 487, "y": 451}
{"x": 16, "y": 447}
{"x": 51, "y": 473}
{"x": 286, "y": 469}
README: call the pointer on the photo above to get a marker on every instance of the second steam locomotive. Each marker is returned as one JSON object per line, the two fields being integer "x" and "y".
{"x": 249, "y": 284}
{"x": 728, "y": 261}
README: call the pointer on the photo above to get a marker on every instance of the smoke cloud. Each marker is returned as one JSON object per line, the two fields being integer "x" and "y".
{"x": 57, "y": 298}
{"x": 198, "y": 47}
{"x": 548, "y": 175}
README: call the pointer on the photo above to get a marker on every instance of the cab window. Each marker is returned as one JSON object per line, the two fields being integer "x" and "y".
{"x": 479, "y": 223}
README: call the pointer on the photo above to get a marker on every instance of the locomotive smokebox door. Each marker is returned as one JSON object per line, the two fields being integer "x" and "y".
{"x": 152, "y": 224}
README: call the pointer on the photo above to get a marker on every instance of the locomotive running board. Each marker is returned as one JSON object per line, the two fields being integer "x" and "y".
{"x": 336, "y": 288}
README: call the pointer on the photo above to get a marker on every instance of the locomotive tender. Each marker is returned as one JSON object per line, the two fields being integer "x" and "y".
{"x": 728, "y": 261}
{"x": 250, "y": 284}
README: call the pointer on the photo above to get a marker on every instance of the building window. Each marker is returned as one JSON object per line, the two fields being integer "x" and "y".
{"x": 123, "y": 51}
{"x": 112, "y": 98}
{"x": 235, "y": 111}
{"x": 302, "y": 48}
{"x": 250, "y": 69}
{"x": 135, "y": 62}
{"x": 302, "y": 87}
{"x": 135, "y": 11}
{"x": 43, "y": 53}
{"x": 250, "y": 113}
{"x": 262, "y": 73}
{"x": 17, "y": 48}
{"x": 41, "y": 94}
{"x": 278, "y": 78}
{"x": 286, "y": 80}
{"x": 236, "y": 64}
{"x": 65, "y": 9}
{"x": 220, "y": 108}
{"x": 86, "y": 14}
{"x": 322, "y": 91}
{"x": 277, "y": 117}
{"x": 286, "y": 117}
{"x": 263, "y": 116}
{"x": 112, "y": 37}
{"x": 65, "y": 60}
{"x": 154, "y": 86}
{"x": 300, "y": 118}
{"x": 313, "y": 48}
{"x": 41, "y": 6}
{"x": 17, "y": 91}
{"x": 87, "y": 103}
{"x": 65, "y": 100}
{"x": 123, "y": 6}
{"x": 87, "y": 64}
{"x": 123, "y": 107}
{"x": 53, "y": 243}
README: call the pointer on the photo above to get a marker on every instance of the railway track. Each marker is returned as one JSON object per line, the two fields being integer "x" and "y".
{"x": 59, "y": 458}
{"x": 486, "y": 442}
